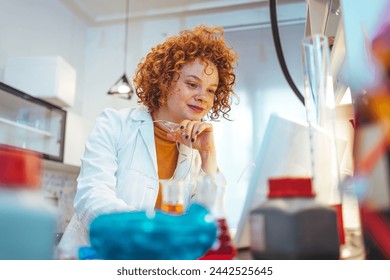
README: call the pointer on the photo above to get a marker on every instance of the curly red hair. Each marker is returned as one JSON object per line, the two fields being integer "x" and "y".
{"x": 156, "y": 72}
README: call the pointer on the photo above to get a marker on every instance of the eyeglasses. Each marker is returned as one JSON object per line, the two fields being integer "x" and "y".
{"x": 173, "y": 128}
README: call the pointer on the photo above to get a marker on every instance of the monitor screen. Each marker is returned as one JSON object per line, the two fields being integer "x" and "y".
{"x": 286, "y": 151}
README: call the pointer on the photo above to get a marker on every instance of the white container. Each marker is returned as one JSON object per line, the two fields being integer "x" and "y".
{"x": 50, "y": 78}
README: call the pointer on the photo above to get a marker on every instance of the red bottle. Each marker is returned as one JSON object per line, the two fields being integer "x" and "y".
{"x": 223, "y": 248}
{"x": 211, "y": 194}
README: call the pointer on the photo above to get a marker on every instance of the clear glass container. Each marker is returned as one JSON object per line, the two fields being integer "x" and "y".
{"x": 326, "y": 148}
{"x": 210, "y": 194}
{"x": 173, "y": 196}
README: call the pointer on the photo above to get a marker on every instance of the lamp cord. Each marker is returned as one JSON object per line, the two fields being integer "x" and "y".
{"x": 279, "y": 51}
{"x": 126, "y": 31}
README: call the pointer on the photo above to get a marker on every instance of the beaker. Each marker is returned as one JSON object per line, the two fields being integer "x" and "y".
{"x": 176, "y": 195}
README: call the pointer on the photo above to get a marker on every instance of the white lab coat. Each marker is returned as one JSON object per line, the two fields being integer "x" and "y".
{"x": 119, "y": 171}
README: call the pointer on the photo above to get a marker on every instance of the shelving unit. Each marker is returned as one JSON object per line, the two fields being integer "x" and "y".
{"x": 30, "y": 123}
{"x": 25, "y": 127}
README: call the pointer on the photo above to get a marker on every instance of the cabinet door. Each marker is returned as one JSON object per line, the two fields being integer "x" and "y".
{"x": 77, "y": 131}
{"x": 31, "y": 123}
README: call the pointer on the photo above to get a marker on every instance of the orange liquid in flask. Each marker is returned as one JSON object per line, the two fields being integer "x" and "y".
{"x": 172, "y": 208}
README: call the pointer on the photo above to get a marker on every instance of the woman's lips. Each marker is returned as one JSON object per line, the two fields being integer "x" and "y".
{"x": 196, "y": 108}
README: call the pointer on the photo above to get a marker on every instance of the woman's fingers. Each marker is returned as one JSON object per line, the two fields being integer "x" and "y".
{"x": 195, "y": 134}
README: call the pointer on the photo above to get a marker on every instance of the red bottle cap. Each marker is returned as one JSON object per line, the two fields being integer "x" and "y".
{"x": 290, "y": 187}
{"x": 19, "y": 168}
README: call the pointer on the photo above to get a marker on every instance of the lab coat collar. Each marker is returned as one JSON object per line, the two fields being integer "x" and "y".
{"x": 142, "y": 116}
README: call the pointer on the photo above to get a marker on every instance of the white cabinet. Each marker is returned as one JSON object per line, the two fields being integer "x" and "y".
{"x": 49, "y": 77}
{"x": 76, "y": 133}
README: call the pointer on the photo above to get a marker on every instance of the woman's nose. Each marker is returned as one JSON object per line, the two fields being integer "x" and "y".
{"x": 201, "y": 95}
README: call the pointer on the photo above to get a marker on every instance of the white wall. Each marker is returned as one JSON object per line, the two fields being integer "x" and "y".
{"x": 263, "y": 90}
{"x": 42, "y": 28}
{"x": 104, "y": 62}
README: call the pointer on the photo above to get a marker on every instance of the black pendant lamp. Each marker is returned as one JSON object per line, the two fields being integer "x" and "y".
{"x": 123, "y": 88}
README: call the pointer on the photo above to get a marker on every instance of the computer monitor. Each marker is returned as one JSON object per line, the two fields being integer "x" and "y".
{"x": 286, "y": 151}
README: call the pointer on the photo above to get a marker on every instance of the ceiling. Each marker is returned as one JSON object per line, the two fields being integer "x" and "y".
{"x": 106, "y": 12}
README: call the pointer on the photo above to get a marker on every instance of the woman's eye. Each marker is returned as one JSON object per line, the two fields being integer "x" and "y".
{"x": 211, "y": 91}
{"x": 193, "y": 85}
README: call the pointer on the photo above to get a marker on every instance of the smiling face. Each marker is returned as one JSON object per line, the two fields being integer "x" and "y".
{"x": 191, "y": 96}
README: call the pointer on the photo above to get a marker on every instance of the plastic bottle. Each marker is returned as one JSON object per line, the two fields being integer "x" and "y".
{"x": 27, "y": 226}
{"x": 292, "y": 224}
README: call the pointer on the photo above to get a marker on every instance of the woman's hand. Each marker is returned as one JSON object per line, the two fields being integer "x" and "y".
{"x": 195, "y": 134}
{"x": 198, "y": 135}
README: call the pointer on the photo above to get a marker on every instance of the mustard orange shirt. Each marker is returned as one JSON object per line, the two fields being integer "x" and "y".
{"x": 167, "y": 154}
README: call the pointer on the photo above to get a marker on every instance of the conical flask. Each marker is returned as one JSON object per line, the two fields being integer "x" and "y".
{"x": 210, "y": 193}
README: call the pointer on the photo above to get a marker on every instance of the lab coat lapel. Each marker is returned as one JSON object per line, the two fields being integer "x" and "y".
{"x": 147, "y": 133}
{"x": 184, "y": 162}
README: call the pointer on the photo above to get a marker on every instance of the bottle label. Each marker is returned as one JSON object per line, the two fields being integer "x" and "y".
{"x": 257, "y": 232}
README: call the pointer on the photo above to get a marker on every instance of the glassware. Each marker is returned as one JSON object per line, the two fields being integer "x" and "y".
{"x": 135, "y": 236}
{"x": 319, "y": 103}
{"x": 320, "y": 113}
{"x": 172, "y": 196}
{"x": 210, "y": 194}
{"x": 181, "y": 178}
{"x": 172, "y": 127}
{"x": 315, "y": 52}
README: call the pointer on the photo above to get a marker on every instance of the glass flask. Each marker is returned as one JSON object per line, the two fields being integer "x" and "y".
{"x": 175, "y": 196}
{"x": 210, "y": 193}
{"x": 320, "y": 113}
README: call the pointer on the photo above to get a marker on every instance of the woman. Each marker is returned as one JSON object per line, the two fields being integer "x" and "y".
{"x": 183, "y": 80}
